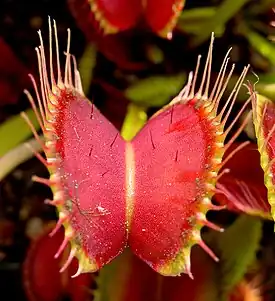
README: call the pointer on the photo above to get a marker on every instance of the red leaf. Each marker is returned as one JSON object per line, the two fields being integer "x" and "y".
{"x": 162, "y": 15}
{"x": 243, "y": 187}
{"x": 263, "y": 117}
{"x": 102, "y": 16}
{"x": 171, "y": 152}
{"x": 153, "y": 192}
{"x": 116, "y": 15}
{"x": 114, "y": 47}
{"x": 90, "y": 160}
{"x": 41, "y": 277}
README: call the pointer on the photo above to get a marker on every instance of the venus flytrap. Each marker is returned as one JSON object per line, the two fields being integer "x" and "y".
{"x": 123, "y": 15}
{"x": 263, "y": 117}
{"x": 151, "y": 193}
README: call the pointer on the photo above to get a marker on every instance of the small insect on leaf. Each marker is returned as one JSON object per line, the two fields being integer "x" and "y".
{"x": 151, "y": 193}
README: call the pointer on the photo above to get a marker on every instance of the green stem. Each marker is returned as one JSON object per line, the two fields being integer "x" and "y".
{"x": 266, "y": 90}
{"x": 260, "y": 43}
{"x": 15, "y": 131}
{"x": 86, "y": 66}
{"x": 17, "y": 156}
{"x": 134, "y": 121}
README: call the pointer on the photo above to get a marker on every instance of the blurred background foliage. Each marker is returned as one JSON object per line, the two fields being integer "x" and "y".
{"x": 133, "y": 74}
